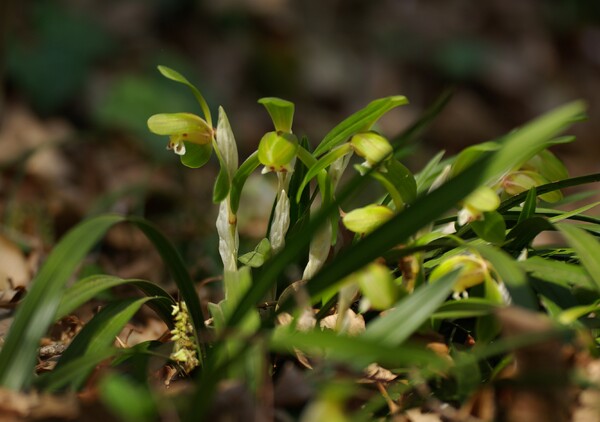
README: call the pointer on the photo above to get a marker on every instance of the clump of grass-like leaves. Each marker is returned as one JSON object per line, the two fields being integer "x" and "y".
{"x": 448, "y": 246}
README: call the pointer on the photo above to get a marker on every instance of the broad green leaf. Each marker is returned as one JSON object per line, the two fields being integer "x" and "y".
{"x": 410, "y": 313}
{"x": 403, "y": 180}
{"x": 178, "y": 77}
{"x": 524, "y": 232}
{"x": 241, "y": 175}
{"x": 359, "y": 121}
{"x": 87, "y": 288}
{"x": 557, "y": 272}
{"x": 299, "y": 211}
{"x": 529, "y": 206}
{"x": 36, "y": 312}
{"x": 196, "y": 155}
{"x": 321, "y": 165}
{"x": 492, "y": 228}
{"x": 258, "y": 256}
{"x": 587, "y": 248}
{"x": 281, "y": 112}
{"x": 221, "y": 187}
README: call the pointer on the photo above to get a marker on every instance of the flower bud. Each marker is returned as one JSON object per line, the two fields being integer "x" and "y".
{"x": 277, "y": 151}
{"x": 473, "y": 271}
{"x": 371, "y": 146}
{"x": 483, "y": 199}
{"x": 377, "y": 285}
{"x": 366, "y": 219}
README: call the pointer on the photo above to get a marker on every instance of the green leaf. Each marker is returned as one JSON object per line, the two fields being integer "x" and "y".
{"x": 569, "y": 214}
{"x": 529, "y": 206}
{"x": 359, "y": 121}
{"x": 411, "y": 312}
{"x": 130, "y": 401}
{"x": 430, "y": 172}
{"x": 357, "y": 351}
{"x": 471, "y": 154}
{"x": 492, "y": 228}
{"x": 221, "y": 187}
{"x": 241, "y": 175}
{"x": 36, "y": 312}
{"x": 321, "y": 165}
{"x": 571, "y": 315}
{"x": 71, "y": 372}
{"x": 465, "y": 308}
{"x": 87, "y": 288}
{"x": 557, "y": 272}
{"x": 178, "y": 271}
{"x": 100, "y": 332}
{"x": 523, "y": 233}
{"x": 281, "y": 112}
{"x": 257, "y": 257}
{"x": 178, "y": 77}
{"x": 522, "y": 144}
{"x": 396, "y": 231}
{"x": 196, "y": 155}
{"x": 587, "y": 248}
{"x": 402, "y": 179}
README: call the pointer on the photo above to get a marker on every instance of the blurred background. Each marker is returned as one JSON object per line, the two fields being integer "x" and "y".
{"x": 78, "y": 81}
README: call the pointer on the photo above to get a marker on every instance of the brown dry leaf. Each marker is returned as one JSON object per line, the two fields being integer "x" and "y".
{"x": 540, "y": 389}
{"x": 588, "y": 409}
{"x": 33, "y": 406}
{"x": 353, "y": 324}
{"x": 375, "y": 373}
{"x": 417, "y": 415}
{"x": 14, "y": 268}
{"x": 135, "y": 334}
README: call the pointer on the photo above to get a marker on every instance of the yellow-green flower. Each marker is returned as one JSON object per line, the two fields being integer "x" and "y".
{"x": 182, "y": 128}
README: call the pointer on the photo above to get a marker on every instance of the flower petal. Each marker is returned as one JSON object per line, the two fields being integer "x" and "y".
{"x": 180, "y": 124}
